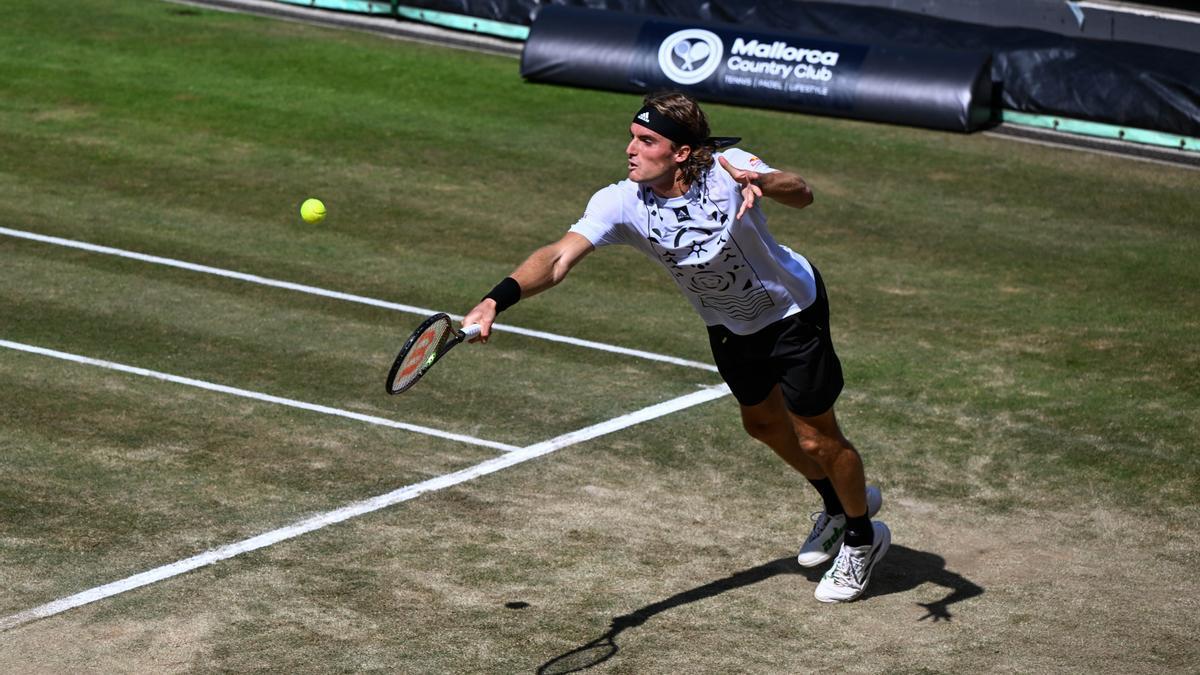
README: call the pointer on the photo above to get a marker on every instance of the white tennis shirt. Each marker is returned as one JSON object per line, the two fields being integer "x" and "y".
{"x": 733, "y": 271}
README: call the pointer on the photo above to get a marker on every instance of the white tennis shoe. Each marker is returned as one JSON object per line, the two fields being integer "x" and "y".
{"x": 848, "y": 577}
{"x": 828, "y": 532}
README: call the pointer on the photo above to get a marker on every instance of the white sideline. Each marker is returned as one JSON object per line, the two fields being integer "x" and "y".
{"x": 359, "y": 508}
{"x": 371, "y": 419}
{"x": 349, "y": 297}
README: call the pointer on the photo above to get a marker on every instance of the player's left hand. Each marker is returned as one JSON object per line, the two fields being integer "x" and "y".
{"x": 748, "y": 181}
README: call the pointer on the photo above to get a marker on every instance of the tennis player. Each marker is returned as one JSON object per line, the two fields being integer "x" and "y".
{"x": 694, "y": 205}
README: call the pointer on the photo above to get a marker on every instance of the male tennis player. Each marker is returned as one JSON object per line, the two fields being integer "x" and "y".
{"x": 696, "y": 209}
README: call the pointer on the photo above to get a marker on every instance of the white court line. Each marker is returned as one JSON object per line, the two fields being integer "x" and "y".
{"x": 371, "y": 419}
{"x": 349, "y": 297}
{"x": 359, "y": 508}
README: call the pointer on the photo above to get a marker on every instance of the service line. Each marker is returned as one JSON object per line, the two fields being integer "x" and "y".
{"x": 359, "y": 508}
{"x": 348, "y": 297}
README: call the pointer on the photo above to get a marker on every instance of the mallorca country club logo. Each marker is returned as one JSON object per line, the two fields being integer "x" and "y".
{"x": 691, "y": 55}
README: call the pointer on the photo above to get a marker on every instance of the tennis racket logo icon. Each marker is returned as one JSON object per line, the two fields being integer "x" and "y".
{"x": 691, "y": 52}
{"x": 691, "y": 55}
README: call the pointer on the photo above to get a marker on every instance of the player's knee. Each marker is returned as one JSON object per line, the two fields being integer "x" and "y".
{"x": 763, "y": 429}
{"x": 820, "y": 448}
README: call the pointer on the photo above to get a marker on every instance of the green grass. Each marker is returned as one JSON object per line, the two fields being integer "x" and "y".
{"x": 1017, "y": 326}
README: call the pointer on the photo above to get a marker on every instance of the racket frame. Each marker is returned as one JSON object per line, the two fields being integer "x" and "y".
{"x": 450, "y": 339}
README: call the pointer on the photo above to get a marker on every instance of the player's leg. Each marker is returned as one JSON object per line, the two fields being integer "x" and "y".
{"x": 743, "y": 361}
{"x": 865, "y": 542}
{"x": 770, "y": 423}
{"x": 821, "y": 440}
{"x": 810, "y": 376}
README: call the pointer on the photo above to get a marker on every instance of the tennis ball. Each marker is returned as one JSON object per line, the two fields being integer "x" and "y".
{"x": 312, "y": 211}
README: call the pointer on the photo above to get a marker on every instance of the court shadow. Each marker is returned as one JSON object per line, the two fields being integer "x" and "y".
{"x": 906, "y": 568}
{"x": 902, "y": 570}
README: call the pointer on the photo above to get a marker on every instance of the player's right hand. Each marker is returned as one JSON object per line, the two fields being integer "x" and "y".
{"x": 484, "y": 314}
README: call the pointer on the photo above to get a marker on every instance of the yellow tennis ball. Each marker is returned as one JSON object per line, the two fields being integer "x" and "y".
{"x": 312, "y": 211}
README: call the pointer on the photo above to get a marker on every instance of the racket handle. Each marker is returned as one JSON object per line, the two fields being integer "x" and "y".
{"x": 471, "y": 332}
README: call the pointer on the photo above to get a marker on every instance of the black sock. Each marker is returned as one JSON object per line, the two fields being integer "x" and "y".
{"x": 859, "y": 531}
{"x": 833, "y": 505}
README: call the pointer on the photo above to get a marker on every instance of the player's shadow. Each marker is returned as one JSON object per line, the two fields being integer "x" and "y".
{"x": 902, "y": 570}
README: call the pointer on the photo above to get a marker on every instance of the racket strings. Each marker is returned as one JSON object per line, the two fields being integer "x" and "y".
{"x": 424, "y": 351}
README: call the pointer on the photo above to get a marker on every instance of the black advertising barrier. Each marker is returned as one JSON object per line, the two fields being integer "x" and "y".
{"x": 1136, "y": 85}
{"x": 940, "y": 89}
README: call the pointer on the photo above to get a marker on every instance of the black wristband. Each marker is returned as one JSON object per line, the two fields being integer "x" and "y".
{"x": 506, "y": 294}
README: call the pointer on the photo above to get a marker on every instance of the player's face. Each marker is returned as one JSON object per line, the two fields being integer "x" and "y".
{"x": 652, "y": 160}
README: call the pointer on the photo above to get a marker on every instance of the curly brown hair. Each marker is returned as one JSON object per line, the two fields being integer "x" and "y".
{"x": 685, "y": 111}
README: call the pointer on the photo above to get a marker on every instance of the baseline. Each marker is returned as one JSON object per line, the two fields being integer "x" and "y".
{"x": 245, "y": 393}
{"x": 359, "y": 508}
{"x": 348, "y": 297}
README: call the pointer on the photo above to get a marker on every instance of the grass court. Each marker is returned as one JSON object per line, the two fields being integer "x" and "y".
{"x": 1017, "y": 324}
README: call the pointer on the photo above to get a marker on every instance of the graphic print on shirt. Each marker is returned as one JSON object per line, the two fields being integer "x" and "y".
{"x": 709, "y": 264}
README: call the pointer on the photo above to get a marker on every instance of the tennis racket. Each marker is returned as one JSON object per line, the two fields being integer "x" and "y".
{"x": 432, "y": 340}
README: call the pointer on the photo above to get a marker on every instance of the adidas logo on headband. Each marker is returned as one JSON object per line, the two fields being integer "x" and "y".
{"x": 652, "y": 119}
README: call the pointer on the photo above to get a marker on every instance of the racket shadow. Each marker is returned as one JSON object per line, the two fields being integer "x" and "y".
{"x": 903, "y": 569}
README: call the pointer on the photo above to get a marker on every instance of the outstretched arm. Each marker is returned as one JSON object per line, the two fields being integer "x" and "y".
{"x": 782, "y": 186}
{"x": 544, "y": 269}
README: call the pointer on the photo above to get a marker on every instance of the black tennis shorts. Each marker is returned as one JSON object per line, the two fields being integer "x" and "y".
{"x": 795, "y": 353}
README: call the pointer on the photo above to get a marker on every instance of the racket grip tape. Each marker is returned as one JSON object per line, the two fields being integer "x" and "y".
{"x": 471, "y": 332}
